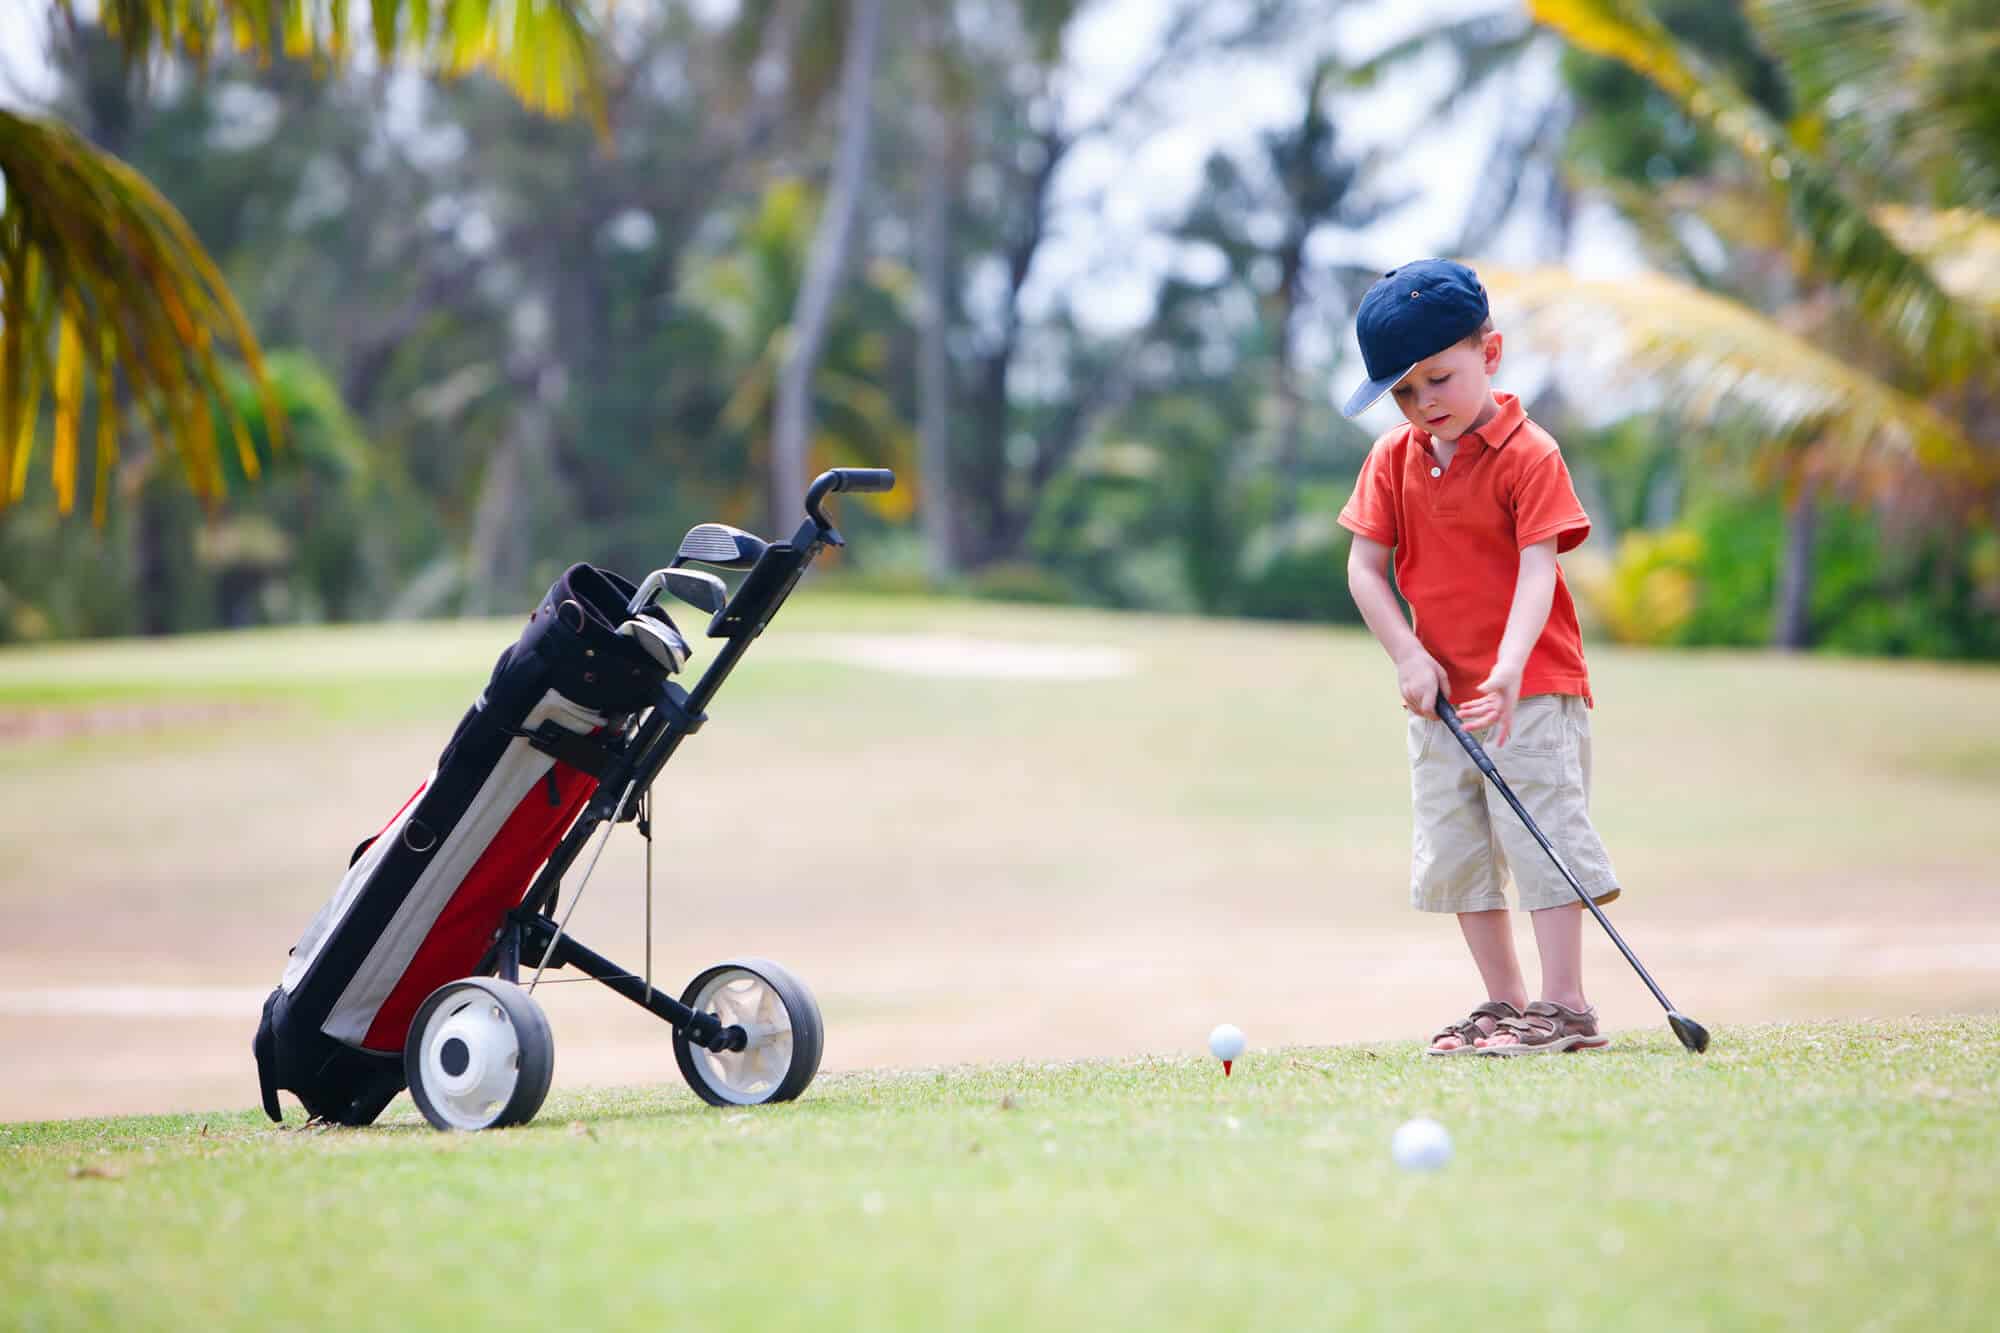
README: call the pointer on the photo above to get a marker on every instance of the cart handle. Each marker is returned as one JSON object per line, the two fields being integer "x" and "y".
{"x": 845, "y": 479}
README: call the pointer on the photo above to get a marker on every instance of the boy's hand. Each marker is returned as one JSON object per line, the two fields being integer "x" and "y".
{"x": 1499, "y": 693}
{"x": 1421, "y": 680}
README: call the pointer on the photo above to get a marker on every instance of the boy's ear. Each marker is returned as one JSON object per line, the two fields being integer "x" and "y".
{"x": 1490, "y": 345}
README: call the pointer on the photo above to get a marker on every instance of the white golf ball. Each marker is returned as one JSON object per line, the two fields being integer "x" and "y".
{"x": 1226, "y": 1042}
{"x": 1420, "y": 1145}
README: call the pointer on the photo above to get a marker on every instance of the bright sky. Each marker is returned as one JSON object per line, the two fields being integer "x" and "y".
{"x": 1227, "y": 104}
{"x": 1108, "y": 266}
{"x": 24, "y": 76}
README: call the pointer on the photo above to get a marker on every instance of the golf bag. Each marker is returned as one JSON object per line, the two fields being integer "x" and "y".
{"x": 424, "y": 899}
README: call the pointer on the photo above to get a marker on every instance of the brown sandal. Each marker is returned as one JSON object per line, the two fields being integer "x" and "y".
{"x": 1483, "y": 1021}
{"x": 1548, "y": 1027}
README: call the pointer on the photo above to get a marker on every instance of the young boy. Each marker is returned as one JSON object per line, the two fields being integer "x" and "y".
{"x": 1475, "y": 503}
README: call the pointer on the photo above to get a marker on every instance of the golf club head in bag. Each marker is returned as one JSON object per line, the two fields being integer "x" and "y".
{"x": 697, "y": 587}
{"x": 720, "y": 545}
{"x": 661, "y": 641}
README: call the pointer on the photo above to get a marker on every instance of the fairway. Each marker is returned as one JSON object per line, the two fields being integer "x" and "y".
{"x": 1798, "y": 1177}
{"x": 981, "y": 833}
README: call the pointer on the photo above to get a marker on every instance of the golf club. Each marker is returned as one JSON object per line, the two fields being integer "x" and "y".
{"x": 720, "y": 545}
{"x": 697, "y": 588}
{"x": 1692, "y": 1034}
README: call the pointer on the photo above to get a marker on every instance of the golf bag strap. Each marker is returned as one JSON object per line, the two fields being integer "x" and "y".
{"x": 579, "y": 752}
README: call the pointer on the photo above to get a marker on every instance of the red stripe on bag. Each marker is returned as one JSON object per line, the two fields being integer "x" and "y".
{"x": 464, "y": 928}
{"x": 422, "y": 787}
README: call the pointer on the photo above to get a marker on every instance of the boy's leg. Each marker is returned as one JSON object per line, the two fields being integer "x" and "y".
{"x": 1559, "y": 935}
{"x": 1559, "y": 940}
{"x": 1455, "y": 867}
{"x": 1547, "y": 763}
{"x": 1490, "y": 937}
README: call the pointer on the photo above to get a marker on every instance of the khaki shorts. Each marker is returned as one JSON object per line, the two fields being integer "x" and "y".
{"x": 1466, "y": 837}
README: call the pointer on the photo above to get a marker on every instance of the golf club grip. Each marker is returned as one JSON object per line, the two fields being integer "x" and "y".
{"x": 864, "y": 479}
{"x": 1449, "y": 716}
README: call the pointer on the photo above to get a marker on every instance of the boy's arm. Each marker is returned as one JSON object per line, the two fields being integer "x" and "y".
{"x": 1418, "y": 675}
{"x": 1534, "y": 591}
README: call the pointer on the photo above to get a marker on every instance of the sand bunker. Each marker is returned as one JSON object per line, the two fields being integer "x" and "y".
{"x": 113, "y": 719}
{"x": 245, "y": 1002}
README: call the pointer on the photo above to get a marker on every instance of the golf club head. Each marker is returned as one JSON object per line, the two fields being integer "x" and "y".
{"x": 720, "y": 545}
{"x": 661, "y": 642}
{"x": 698, "y": 588}
{"x": 1692, "y": 1034}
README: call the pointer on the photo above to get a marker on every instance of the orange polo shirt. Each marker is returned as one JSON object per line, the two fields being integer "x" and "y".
{"x": 1458, "y": 533}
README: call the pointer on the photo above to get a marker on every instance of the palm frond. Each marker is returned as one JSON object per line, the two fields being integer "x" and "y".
{"x": 94, "y": 263}
{"x": 1961, "y": 245}
{"x": 543, "y": 50}
{"x": 1722, "y": 360}
{"x": 1844, "y": 242}
{"x": 1903, "y": 89}
{"x": 1825, "y": 45}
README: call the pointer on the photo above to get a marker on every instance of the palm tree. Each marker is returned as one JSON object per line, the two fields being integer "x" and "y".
{"x": 827, "y": 266}
{"x": 1029, "y": 124}
{"x": 107, "y": 297}
{"x": 1308, "y": 181}
{"x": 751, "y": 291}
{"x": 1896, "y": 380}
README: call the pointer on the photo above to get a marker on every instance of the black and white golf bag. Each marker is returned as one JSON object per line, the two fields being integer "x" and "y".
{"x": 424, "y": 899}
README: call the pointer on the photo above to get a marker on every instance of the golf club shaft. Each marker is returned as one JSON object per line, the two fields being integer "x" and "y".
{"x": 1449, "y": 715}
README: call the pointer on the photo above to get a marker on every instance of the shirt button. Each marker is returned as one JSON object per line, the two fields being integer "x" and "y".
{"x": 1437, "y": 472}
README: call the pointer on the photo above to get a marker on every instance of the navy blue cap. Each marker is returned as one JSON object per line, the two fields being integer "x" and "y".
{"x": 1411, "y": 314}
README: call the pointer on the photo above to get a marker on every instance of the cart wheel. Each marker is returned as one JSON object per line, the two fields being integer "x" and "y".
{"x": 479, "y": 1055}
{"x": 780, "y": 1020}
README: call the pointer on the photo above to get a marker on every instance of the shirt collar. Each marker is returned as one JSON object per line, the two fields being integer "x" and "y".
{"x": 1495, "y": 432}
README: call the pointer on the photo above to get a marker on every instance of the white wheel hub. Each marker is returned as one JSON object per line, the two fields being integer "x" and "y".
{"x": 741, "y": 998}
{"x": 471, "y": 1059}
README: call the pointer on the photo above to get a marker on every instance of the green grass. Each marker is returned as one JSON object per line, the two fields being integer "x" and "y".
{"x": 1796, "y": 836}
{"x": 1796, "y": 1177}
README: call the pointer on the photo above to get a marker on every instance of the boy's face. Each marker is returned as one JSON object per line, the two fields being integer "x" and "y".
{"x": 1452, "y": 392}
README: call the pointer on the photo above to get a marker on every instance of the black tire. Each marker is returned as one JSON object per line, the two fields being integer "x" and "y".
{"x": 807, "y": 1037}
{"x": 518, "y": 1087}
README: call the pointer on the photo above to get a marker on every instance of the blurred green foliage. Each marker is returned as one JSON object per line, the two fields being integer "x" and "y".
{"x": 1877, "y": 591}
{"x": 503, "y": 343}
{"x": 1634, "y": 131}
{"x": 1709, "y": 579}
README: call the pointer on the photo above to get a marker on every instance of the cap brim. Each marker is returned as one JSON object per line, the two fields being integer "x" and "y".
{"x": 1364, "y": 397}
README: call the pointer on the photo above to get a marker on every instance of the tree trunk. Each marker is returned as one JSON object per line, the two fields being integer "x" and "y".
{"x": 512, "y": 495}
{"x": 990, "y": 493}
{"x": 494, "y": 520}
{"x": 936, "y": 503}
{"x": 1290, "y": 461}
{"x": 825, "y": 269}
{"x": 152, "y": 562}
{"x": 1791, "y": 630}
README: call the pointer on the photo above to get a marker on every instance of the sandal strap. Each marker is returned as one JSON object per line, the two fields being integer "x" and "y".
{"x": 1469, "y": 1029}
{"x": 1530, "y": 1025}
{"x": 1545, "y": 1021}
